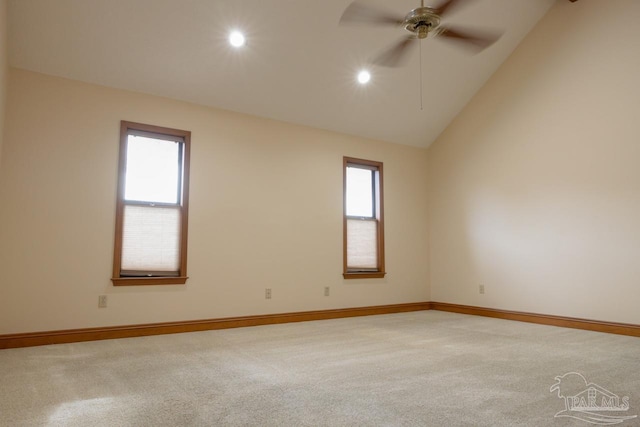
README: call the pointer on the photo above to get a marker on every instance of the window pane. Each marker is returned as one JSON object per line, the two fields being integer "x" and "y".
{"x": 153, "y": 170}
{"x": 151, "y": 239}
{"x": 362, "y": 245}
{"x": 359, "y": 192}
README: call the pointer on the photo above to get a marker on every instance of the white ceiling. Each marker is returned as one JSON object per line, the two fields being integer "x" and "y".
{"x": 299, "y": 66}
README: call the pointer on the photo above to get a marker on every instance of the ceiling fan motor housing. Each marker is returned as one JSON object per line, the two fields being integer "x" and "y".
{"x": 421, "y": 21}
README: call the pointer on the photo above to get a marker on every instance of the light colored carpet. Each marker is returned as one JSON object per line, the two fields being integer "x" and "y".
{"x": 425, "y": 368}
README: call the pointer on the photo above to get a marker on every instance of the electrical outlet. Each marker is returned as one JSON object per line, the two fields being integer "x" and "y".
{"x": 102, "y": 301}
{"x": 267, "y": 293}
{"x": 326, "y": 291}
{"x": 482, "y": 289}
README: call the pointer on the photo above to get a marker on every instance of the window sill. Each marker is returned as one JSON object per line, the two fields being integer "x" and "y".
{"x": 143, "y": 281}
{"x": 365, "y": 275}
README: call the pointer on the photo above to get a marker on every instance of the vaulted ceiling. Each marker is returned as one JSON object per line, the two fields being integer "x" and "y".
{"x": 298, "y": 65}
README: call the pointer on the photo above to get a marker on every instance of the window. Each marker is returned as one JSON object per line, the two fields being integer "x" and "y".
{"x": 363, "y": 219}
{"x": 152, "y": 206}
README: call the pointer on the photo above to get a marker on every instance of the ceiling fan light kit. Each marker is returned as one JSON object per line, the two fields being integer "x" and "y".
{"x": 421, "y": 21}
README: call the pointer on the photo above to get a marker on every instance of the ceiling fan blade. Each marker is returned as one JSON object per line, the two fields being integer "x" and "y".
{"x": 475, "y": 41}
{"x": 358, "y": 13}
{"x": 396, "y": 55}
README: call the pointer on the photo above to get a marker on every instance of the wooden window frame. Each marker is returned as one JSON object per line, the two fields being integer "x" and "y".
{"x": 127, "y": 128}
{"x": 378, "y": 201}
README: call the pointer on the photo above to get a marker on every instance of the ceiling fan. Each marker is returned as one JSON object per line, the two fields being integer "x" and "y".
{"x": 421, "y": 22}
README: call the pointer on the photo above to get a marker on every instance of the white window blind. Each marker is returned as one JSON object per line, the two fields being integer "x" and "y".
{"x": 362, "y": 244}
{"x": 151, "y": 240}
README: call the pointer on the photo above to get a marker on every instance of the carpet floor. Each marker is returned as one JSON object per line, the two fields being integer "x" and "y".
{"x": 425, "y": 368}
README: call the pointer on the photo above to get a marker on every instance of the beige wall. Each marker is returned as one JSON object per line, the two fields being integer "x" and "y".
{"x": 265, "y": 211}
{"x": 4, "y": 68}
{"x": 535, "y": 187}
{"x": 534, "y": 191}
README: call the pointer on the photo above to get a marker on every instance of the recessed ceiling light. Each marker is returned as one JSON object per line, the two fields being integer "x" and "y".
{"x": 236, "y": 38}
{"x": 363, "y": 77}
